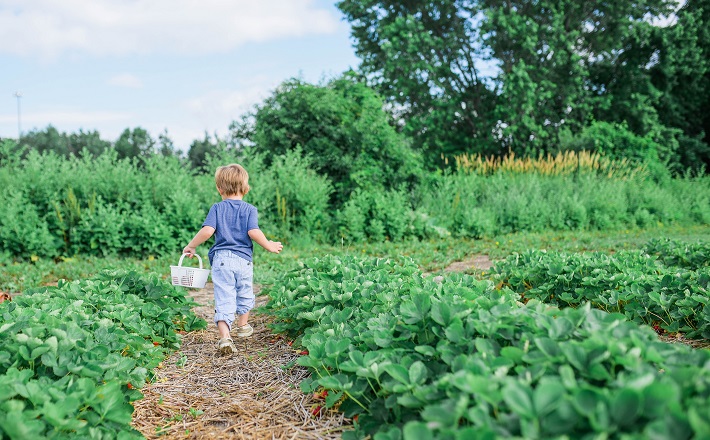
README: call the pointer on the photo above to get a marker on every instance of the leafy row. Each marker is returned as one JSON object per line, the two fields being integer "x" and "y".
{"x": 691, "y": 256}
{"x": 73, "y": 355}
{"x": 630, "y": 282}
{"x": 409, "y": 358}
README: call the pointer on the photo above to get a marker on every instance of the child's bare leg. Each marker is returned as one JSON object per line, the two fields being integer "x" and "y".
{"x": 223, "y": 329}
{"x": 242, "y": 319}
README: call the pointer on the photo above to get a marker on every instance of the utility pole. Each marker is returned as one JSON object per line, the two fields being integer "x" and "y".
{"x": 18, "y": 95}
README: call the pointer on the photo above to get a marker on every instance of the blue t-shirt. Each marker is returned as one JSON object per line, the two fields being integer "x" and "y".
{"x": 232, "y": 220}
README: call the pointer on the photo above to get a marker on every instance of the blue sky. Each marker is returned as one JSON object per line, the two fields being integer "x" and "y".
{"x": 188, "y": 66}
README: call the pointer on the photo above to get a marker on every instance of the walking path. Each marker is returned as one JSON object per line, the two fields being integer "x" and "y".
{"x": 254, "y": 394}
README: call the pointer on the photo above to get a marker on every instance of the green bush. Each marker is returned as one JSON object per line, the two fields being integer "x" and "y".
{"x": 379, "y": 215}
{"x": 473, "y": 205}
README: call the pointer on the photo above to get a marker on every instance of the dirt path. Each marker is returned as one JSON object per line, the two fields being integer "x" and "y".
{"x": 480, "y": 262}
{"x": 254, "y": 394}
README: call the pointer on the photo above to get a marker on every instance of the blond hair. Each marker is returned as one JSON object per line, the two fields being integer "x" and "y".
{"x": 232, "y": 180}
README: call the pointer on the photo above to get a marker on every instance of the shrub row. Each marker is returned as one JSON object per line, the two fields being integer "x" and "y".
{"x": 633, "y": 283}
{"x": 75, "y": 355}
{"x": 409, "y": 358}
{"x": 56, "y": 206}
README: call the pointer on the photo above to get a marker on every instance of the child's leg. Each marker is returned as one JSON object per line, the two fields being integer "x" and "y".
{"x": 225, "y": 293}
{"x": 245, "y": 292}
{"x": 243, "y": 319}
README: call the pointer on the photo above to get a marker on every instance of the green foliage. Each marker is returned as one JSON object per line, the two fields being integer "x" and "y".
{"x": 73, "y": 356}
{"x": 471, "y": 205}
{"x": 616, "y": 141}
{"x": 461, "y": 359}
{"x": 682, "y": 75}
{"x": 22, "y": 230}
{"x": 73, "y": 144}
{"x": 691, "y": 256}
{"x": 378, "y": 216}
{"x": 557, "y": 64}
{"x": 632, "y": 283}
{"x": 104, "y": 205}
{"x": 341, "y": 125}
{"x": 134, "y": 143}
{"x": 199, "y": 151}
{"x": 427, "y": 58}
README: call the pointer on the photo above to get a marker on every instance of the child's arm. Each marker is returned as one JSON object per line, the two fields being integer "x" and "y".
{"x": 202, "y": 236}
{"x": 260, "y": 239}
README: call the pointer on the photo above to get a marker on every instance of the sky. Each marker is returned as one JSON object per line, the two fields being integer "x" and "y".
{"x": 185, "y": 66}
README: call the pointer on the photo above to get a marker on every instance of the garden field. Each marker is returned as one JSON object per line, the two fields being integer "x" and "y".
{"x": 525, "y": 335}
{"x": 495, "y": 223}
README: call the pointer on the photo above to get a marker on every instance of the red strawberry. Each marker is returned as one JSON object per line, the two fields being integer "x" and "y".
{"x": 315, "y": 411}
{"x": 303, "y": 353}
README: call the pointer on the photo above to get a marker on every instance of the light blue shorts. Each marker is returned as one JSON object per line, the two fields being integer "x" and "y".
{"x": 232, "y": 276}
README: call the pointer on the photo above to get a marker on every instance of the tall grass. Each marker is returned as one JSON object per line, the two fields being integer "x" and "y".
{"x": 477, "y": 205}
{"x": 564, "y": 163}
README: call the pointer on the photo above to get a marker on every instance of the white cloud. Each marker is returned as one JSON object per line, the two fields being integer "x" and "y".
{"x": 47, "y": 28}
{"x": 214, "y": 111}
{"x": 126, "y": 80}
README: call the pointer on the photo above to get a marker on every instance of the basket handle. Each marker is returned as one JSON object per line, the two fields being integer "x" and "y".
{"x": 183, "y": 257}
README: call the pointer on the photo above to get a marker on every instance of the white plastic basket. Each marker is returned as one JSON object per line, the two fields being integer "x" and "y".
{"x": 189, "y": 276}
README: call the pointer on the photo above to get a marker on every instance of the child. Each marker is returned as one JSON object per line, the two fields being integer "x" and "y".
{"x": 235, "y": 224}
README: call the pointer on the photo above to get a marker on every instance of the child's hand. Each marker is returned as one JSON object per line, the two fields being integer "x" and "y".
{"x": 275, "y": 247}
{"x": 190, "y": 251}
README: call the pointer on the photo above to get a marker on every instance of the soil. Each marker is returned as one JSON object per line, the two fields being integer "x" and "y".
{"x": 477, "y": 262}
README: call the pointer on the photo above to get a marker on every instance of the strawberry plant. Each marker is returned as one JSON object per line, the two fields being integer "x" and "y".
{"x": 691, "y": 256}
{"x": 74, "y": 355}
{"x": 414, "y": 359}
{"x": 629, "y": 282}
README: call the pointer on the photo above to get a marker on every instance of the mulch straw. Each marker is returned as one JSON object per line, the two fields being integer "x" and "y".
{"x": 253, "y": 394}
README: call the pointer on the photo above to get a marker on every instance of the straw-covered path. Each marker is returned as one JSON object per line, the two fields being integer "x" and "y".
{"x": 254, "y": 394}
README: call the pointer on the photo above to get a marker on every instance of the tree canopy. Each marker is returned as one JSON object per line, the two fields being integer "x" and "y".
{"x": 492, "y": 76}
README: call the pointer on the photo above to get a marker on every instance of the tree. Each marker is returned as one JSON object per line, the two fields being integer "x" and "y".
{"x": 50, "y": 139}
{"x": 134, "y": 143}
{"x": 200, "y": 149}
{"x": 426, "y": 58}
{"x": 560, "y": 64}
{"x": 682, "y": 76}
{"x": 166, "y": 146}
{"x": 342, "y": 126}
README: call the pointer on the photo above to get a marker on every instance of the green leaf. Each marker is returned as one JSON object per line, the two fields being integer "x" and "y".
{"x": 426, "y": 350}
{"x": 417, "y": 431}
{"x": 513, "y": 353}
{"x": 333, "y": 398}
{"x": 518, "y": 398}
{"x": 547, "y": 396}
{"x": 18, "y": 426}
{"x": 441, "y": 313}
{"x": 626, "y": 406}
{"x": 398, "y": 372}
{"x": 455, "y": 331}
{"x": 417, "y": 373}
{"x": 110, "y": 404}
